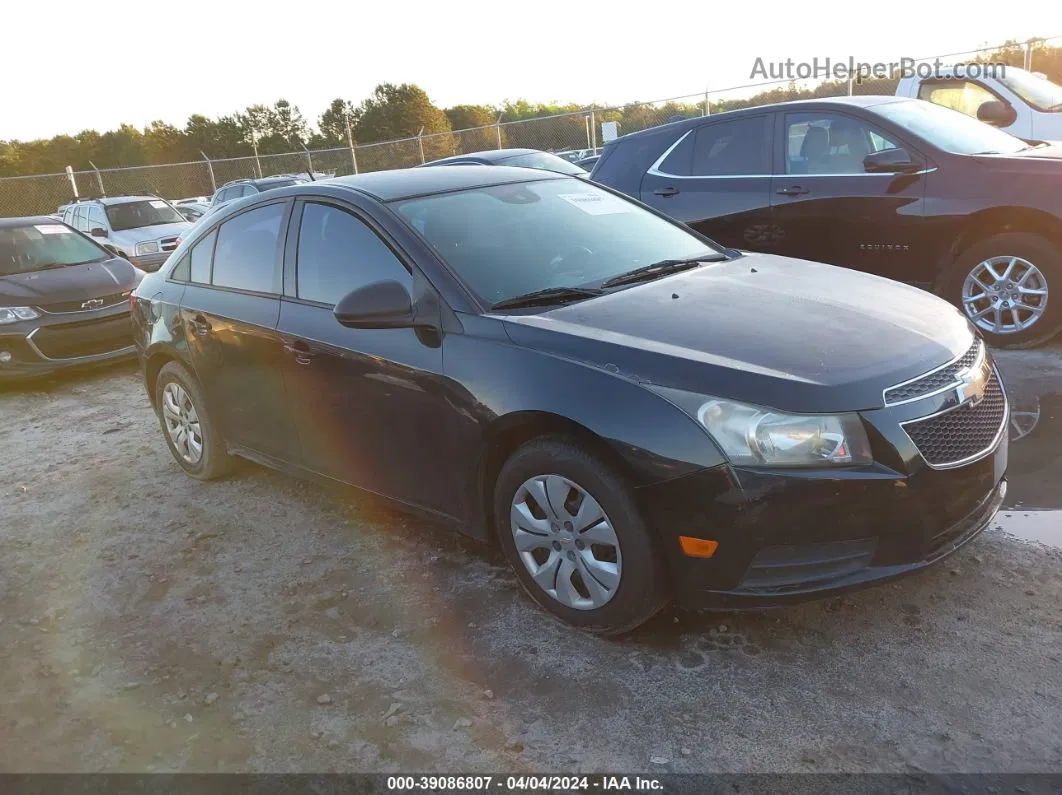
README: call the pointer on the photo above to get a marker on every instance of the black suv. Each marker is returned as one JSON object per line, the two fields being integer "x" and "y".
{"x": 64, "y": 299}
{"x": 239, "y": 188}
{"x": 897, "y": 187}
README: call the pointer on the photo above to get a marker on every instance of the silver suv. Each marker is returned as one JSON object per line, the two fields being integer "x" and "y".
{"x": 143, "y": 229}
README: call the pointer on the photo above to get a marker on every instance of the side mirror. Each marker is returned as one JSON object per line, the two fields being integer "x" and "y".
{"x": 376, "y": 305}
{"x": 98, "y": 232}
{"x": 890, "y": 161}
{"x": 996, "y": 113}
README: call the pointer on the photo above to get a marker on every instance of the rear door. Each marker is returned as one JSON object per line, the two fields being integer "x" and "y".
{"x": 370, "y": 404}
{"x": 717, "y": 178}
{"x": 229, "y": 313}
{"x": 828, "y": 208}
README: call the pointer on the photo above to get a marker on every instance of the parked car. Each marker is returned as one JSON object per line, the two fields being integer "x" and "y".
{"x": 192, "y": 210}
{"x": 64, "y": 299}
{"x": 523, "y": 158}
{"x": 630, "y": 410}
{"x": 587, "y": 163}
{"x": 897, "y": 187}
{"x": 143, "y": 229}
{"x": 239, "y": 188}
{"x": 1026, "y": 105}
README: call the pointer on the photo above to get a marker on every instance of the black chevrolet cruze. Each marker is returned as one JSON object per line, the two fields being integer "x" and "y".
{"x": 631, "y": 411}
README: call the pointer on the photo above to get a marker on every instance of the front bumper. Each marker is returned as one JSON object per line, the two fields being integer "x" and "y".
{"x": 786, "y": 537}
{"x": 150, "y": 262}
{"x": 63, "y": 341}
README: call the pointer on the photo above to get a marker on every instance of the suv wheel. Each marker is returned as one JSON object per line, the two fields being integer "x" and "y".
{"x": 1003, "y": 284}
{"x": 573, "y": 535}
{"x": 190, "y": 434}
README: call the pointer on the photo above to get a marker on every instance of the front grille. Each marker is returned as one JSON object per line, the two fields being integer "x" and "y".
{"x": 936, "y": 380}
{"x": 59, "y": 307}
{"x": 168, "y": 244}
{"x": 963, "y": 433}
{"x": 791, "y": 567}
{"x": 86, "y": 338}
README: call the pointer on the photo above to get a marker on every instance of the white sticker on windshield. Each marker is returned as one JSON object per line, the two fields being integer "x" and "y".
{"x": 158, "y": 205}
{"x": 53, "y": 229}
{"x": 597, "y": 203}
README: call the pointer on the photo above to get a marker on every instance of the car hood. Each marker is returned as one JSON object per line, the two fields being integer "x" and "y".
{"x": 153, "y": 232}
{"x": 1034, "y": 159}
{"x": 74, "y": 283}
{"x": 794, "y": 335}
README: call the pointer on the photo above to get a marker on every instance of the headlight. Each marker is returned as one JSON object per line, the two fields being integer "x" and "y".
{"x": 14, "y": 314}
{"x": 756, "y": 436}
{"x": 151, "y": 247}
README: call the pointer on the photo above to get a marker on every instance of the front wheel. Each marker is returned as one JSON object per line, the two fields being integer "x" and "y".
{"x": 573, "y": 535}
{"x": 1003, "y": 285}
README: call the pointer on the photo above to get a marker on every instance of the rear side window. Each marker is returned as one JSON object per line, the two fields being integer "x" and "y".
{"x": 247, "y": 250}
{"x": 732, "y": 148}
{"x": 338, "y": 253}
{"x": 200, "y": 257}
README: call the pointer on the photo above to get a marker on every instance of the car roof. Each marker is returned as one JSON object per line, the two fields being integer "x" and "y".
{"x": 408, "y": 182}
{"x": 27, "y": 220}
{"x": 824, "y": 103}
{"x": 108, "y": 200}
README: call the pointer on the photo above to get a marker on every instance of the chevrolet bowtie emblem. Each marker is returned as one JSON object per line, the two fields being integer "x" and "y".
{"x": 92, "y": 303}
{"x": 971, "y": 388}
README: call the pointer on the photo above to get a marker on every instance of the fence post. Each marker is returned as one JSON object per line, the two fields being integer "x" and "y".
{"x": 849, "y": 84}
{"x": 73, "y": 182}
{"x": 1027, "y": 61}
{"x": 420, "y": 142}
{"x": 210, "y": 168}
{"x": 586, "y": 119}
{"x": 350, "y": 143}
{"x": 254, "y": 146}
{"x": 497, "y": 129}
{"x": 99, "y": 178}
{"x": 705, "y": 112}
{"x": 309, "y": 161}
{"x": 593, "y": 129}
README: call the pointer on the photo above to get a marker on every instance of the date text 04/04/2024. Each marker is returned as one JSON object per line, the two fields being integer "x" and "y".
{"x": 522, "y": 783}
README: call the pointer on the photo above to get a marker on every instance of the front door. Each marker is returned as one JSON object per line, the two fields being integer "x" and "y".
{"x": 827, "y": 208}
{"x": 229, "y": 313}
{"x": 370, "y": 404}
{"x": 716, "y": 178}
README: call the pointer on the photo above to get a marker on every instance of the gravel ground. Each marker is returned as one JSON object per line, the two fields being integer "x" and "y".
{"x": 149, "y": 622}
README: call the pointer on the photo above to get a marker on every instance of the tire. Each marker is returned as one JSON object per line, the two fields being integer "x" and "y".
{"x": 213, "y": 460}
{"x": 612, "y": 607}
{"x": 1044, "y": 255}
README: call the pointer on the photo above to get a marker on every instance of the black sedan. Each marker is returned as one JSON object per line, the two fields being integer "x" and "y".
{"x": 520, "y": 158}
{"x": 64, "y": 299}
{"x": 631, "y": 411}
{"x": 896, "y": 187}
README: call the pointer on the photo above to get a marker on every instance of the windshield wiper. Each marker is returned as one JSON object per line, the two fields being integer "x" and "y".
{"x": 664, "y": 266}
{"x": 550, "y": 295}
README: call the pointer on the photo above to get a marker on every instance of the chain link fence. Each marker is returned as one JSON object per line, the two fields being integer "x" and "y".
{"x": 578, "y": 131}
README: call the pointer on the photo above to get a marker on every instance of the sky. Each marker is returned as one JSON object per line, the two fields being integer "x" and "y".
{"x": 136, "y": 62}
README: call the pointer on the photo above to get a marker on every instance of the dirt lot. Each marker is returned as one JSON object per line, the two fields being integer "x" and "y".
{"x": 151, "y": 622}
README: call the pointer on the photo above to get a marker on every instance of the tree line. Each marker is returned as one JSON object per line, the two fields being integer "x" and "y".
{"x": 395, "y": 111}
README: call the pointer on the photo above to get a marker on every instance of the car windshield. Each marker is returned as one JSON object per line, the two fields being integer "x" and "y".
{"x": 133, "y": 215}
{"x": 510, "y": 240}
{"x": 949, "y": 129}
{"x": 35, "y": 247}
{"x": 1042, "y": 94}
{"x": 542, "y": 160}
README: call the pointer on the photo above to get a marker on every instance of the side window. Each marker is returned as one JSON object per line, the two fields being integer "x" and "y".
{"x": 200, "y": 257}
{"x": 732, "y": 148}
{"x": 68, "y": 216}
{"x": 246, "y": 190}
{"x": 182, "y": 270}
{"x": 824, "y": 143}
{"x": 224, "y": 195}
{"x": 961, "y": 95}
{"x": 678, "y": 160}
{"x": 246, "y": 254}
{"x": 338, "y": 253}
{"x": 81, "y": 218}
{"x": 96, "y": 218}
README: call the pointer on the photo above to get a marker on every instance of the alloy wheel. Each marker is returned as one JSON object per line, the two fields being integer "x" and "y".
{"x": 566, "y": 542}
{"x": 1005, "y": 295}
{"x": 182, "y": 422}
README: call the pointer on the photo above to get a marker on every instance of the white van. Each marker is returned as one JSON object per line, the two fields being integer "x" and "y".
{"x": 1024, "y": 104}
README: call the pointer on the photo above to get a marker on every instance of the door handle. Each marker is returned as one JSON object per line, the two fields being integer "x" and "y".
{"x": 200, "y": 325}
{"x": 668, "y": 191}
{"x": 792, "y": 190}
{"x": 301, "y": 351}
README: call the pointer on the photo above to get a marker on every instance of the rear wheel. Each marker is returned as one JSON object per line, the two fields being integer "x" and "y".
{"x": 575, "y": 538}
{"x": 1003, "y": 285}
{"x": 191, "y": 436}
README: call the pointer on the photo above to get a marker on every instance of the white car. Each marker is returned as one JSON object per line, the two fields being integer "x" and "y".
{"x": 1026, "y": 105}
{"x": 143, "y": 229}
